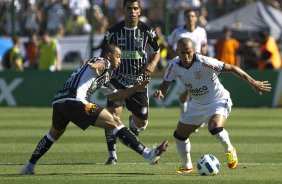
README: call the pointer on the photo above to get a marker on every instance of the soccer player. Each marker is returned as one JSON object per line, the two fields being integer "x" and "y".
{"x": 132, "y": 36}
{"x": 199, "y": 37}
{"x": 210, "y": 102}
{"x": 71, "y": 105}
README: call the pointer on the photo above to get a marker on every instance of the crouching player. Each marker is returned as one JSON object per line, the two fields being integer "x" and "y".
{"x": 71, "y": 105}
{"x": 210, "y": 102}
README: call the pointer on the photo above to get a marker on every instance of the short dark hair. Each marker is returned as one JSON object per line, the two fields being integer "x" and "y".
{"x": 191, "y": 10}
{"x": 108, "y": 48}
{"x": 131, "y": 1}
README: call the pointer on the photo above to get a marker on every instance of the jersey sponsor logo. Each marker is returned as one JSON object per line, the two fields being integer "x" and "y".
{"x": 198, "y": 75}
{"x": 169, "y": 71}
{"x": 211, "y": 67}
{"x": 197, "y": 91}
{"x": 132, "y": 54}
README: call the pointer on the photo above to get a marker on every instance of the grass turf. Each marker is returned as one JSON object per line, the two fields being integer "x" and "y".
{"x": 78, "y": 156}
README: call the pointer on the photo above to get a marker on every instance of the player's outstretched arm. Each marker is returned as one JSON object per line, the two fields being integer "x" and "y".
{"x": 159, "y": 93}
{"x": 258, "y": 86}
{"x": 122, "y": 94}
{"x": 97, "y": 66}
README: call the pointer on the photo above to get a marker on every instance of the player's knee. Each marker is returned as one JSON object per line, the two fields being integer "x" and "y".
{"x": 179, "y": 137}
{"x": 216, "y": 130}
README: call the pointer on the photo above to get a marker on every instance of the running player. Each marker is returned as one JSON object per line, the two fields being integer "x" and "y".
{"x": 199, "y": 37}
{"x": 210, "y": 102}
{"x": 71, "y": 105}
{"x": 132, "y": 36}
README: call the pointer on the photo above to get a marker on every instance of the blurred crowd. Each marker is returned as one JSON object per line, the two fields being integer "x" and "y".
{"x": 44, "y": 21}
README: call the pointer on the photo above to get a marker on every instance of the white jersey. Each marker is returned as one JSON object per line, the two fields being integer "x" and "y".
{"x": 198, "y": 36}
{"x": 201, "y": 78}
{"x": 84, "y": 82}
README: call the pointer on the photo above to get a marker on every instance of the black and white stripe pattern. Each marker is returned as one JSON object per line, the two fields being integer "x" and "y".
{"x": 133, "y": 43}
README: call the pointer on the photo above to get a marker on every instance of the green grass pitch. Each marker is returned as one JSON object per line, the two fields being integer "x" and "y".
{"x": 78, "y": 156}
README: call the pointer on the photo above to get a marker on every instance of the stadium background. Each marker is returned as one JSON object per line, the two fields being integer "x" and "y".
{"x": 34, "y": 88}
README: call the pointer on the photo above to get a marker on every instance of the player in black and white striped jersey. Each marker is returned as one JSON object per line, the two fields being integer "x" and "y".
{"x": 71, "y": 105}
{"x": 132, "y": 36}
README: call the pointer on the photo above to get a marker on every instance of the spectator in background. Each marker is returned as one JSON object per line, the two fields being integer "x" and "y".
{"x": 202, "y": 19}
{"x": 55, "y": 15}
{"x": 49, "y": 54}
{"x": 31, "y": 19}
{"x": 226, "y": 48}
{"x": 182, "y": 5}
{"x": 32, "y": 49}
{"x": 15, "y": 57}
{"x": 77, "y": 24}
{"x": 268, "y": 56}
{"x": 163, "y": 48}
{"x": 269, "y": 52}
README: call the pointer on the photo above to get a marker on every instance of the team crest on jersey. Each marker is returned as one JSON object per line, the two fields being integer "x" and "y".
{"x": 198, "y": 75}
{"x": 108, "y": 35}
{"x": 138, "y": 42}
{"x": 152, "y": 33}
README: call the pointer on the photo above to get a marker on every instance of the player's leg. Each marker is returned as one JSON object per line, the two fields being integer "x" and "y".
{"x": 138, "y": 105}
{"x": 59, "y": 124}
{"x": 111, "y": 138}
{"x": 183, "y": 146}
{"x": 215, "y": 127}
{"x": 42, "y": 147}
{"x": 108, "y": 121}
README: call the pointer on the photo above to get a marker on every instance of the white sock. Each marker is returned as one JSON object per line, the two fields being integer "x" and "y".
{"x": 183, "y": 149}
{"x": 50, "y": 137}
{"x": 146, "y": 153}
{"x": 223, "y": 138}
{"x": 117, "y": 129}
{"x": 112, "y": 154}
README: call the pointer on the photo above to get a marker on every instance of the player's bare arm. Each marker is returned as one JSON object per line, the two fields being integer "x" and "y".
{"x": 183, "y": 96}
{"x": 122, "y": 94}
{"x": 161, "y": 91}
{"x": 152, "y": 64}
{"x": 258, "y": 86}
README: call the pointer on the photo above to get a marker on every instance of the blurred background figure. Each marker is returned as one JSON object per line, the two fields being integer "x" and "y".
{"x": 15, "y": 57}
{"x": 268, "y": 54}
{"x": 31, "y": 50}
{"x": 226, "y": 48}
{"x": 49, "y": 54}
{"x": 270, "y": 57}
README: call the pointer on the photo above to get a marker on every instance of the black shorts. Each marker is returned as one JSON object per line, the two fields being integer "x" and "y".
{"x": 137, "y": 103}
{"x": 73, "y": 111}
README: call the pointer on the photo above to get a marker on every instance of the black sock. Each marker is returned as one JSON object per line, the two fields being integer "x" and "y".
{"x": 130, "y": 140}
{"x": 111, "y": 139}
{"x": 41, "y": 148}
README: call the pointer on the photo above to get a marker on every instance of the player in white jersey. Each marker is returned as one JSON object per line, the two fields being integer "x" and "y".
{"x": 209, "y": 101}
{"x": 199, "y": 37}
{"x": 71, "y": 105}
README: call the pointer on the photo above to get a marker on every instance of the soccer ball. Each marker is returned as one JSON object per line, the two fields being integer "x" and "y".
{"x": 208, "y": 165}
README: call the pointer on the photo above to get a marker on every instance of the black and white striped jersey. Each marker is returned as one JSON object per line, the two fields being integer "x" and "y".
{"x": 133, "y": 43}
{"x": 85, "y": 81}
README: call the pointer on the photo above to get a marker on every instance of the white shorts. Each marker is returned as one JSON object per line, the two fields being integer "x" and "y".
{"x": 196, "y": 114}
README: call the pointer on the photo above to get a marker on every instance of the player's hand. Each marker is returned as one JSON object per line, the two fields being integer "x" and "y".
{"x": 261, "y": 86}
{"x": 142, "y": 84}
{"x": 183, "y": 96}
{"x": 97, "y": 66}
{"x": 158, "y": 94}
